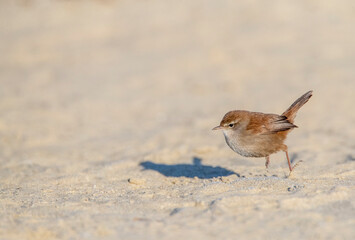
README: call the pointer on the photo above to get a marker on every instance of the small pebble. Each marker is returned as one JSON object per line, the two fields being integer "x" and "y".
{"x": 228, "y": 179}
{"x": 294, "y": 188}
{"x": 136, "y": 181}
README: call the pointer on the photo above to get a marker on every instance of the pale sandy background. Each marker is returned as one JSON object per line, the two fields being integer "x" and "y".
{"x": 93, "y": 93}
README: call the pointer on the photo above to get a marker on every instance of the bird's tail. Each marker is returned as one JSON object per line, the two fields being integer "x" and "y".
{"x": 291, "y": 112}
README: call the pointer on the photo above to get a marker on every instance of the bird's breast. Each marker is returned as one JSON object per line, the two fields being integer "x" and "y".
{"x": 240, "y": 145}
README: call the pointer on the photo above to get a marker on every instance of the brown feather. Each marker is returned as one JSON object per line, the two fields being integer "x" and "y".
{"x": 291, "y": 112}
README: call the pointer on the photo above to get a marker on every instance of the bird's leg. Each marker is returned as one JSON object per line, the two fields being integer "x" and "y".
{"x": 289, "y": 162}
{"x": 267, "y": 161}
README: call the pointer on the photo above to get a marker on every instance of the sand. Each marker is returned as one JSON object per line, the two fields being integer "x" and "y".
{"x": 106, "y": 111}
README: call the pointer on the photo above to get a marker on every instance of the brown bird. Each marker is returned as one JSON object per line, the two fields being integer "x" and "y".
{"x": 255, "y": 134}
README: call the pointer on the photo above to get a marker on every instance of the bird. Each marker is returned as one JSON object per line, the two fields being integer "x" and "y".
{"x": 256, "y": 134}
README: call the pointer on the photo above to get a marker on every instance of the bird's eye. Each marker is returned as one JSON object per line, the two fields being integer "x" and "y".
{"x": 231, "y": 125}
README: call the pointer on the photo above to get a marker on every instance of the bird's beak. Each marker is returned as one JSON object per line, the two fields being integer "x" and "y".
{"x": 217, "y": 128}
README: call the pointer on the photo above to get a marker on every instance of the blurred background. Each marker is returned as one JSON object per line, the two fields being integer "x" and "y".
{"x": 84, "y": 83}
{"x": 124, "y": 72}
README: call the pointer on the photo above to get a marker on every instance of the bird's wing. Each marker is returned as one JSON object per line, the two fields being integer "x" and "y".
{"x": 279, "y": 124}
{"x": 269, "y": 124}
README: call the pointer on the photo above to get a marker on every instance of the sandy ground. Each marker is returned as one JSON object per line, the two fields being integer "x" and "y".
{"x": 106, "y": 110}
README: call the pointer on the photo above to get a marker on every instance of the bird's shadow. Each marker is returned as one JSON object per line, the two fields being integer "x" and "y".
{"x": 293, "y": 157}
{"x": 196, "y": 169}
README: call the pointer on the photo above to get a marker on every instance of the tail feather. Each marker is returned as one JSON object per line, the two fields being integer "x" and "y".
{"x": 291, "y": 112}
